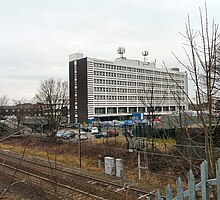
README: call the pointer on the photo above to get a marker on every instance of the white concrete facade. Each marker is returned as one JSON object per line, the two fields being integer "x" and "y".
{"x": 123, "y": 86}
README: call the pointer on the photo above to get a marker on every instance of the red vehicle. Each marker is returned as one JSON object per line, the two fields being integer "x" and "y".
{"x": 113, "y": 133}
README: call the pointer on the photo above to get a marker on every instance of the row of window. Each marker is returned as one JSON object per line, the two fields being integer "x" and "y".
{"x": 111, "y": 89}
{"x": 110, "y": 110}
{"x": 151, "y": 85}
{"x": 146, "y": 91}
{"x": 121, "y": 90}
{"x": 143, "y": 98}
{"x": 99, "y": 81}
{"x": 133, "y": 69}
{"x": 130, "y": 76}
{"x": 109, "y": 97}
{"x": 99, "y": 73}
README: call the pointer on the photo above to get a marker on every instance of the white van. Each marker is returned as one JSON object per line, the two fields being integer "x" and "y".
{"x": 83, "y": 136}
{"x": 95, "y": 130}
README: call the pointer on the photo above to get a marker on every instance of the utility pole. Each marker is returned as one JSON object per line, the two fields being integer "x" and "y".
{"x": 139, "y": 165}
{"x": 115, "y": 132}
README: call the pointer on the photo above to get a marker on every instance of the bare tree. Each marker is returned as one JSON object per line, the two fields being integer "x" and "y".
{"x": 53, "y": 97}
{"x": 4, "y": 101}
{"x": 21, "y": 107}
{"x": 153, "y": 104}
{"x": 201, "y": 49}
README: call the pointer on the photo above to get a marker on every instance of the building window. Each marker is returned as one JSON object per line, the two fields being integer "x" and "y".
{"x": 111, "y": 97}
{"x": 118, "y": 67}
{"x": 122, "y": 110}
{"x": 141, "y": 109}
{"x": 150, "y": 109}
{"x": 111, "y": 110}
{"x": 99, "y": 111}
{"x": 172, "y": 108}
{"x": 158, "y": 109}
{"x": 166, "y": 108}
{"x": 99, "y": 97}
{"x": 148, "y": 72}
{"x": 99, "y": 81}
{"x": 132, "y": 109}
{"x": 132, "y": 97}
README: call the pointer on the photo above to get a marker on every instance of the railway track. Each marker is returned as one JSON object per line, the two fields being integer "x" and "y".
{"x": 63, "y": 191}
{"x": 69, "y": 181}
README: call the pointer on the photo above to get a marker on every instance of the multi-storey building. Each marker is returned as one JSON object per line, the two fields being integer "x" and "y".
{"x": 106, "y": 90}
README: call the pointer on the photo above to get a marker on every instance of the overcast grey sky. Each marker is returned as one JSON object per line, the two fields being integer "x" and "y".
{"x": 36, "y": 36}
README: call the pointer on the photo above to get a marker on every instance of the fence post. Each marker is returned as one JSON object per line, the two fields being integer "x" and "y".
{"x": 158, "y": 196}
{"x": 204, "y": 178}
{"x": 192, "y": 188}
{"x": 218, "y": 178}
{"x": 191, "y": 185}
{"x": 179, "y": 184}
{"x": 168, "y": 192}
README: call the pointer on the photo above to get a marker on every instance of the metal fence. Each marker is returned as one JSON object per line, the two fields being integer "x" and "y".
{"x": 203, "y": 186}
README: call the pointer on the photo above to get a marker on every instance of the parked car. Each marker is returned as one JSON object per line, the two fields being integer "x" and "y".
{"x": 101, "y": 135}
{"x": 104, "y": 134}
{"x": 65, "y": 134}
{"x": 68, "y": 135}
{"x": 60, "y": 133}
{"x": 95, "y": 130}
{"x": 86, "y": 128}
{"x": 112, "y": 133}
{"x": 83, "y": 135}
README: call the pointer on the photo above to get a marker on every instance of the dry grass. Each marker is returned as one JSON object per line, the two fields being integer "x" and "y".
{"x": 161, "y": 168}
{"x": 65, "y": 158}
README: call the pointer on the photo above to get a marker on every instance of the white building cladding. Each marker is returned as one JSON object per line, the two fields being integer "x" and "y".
{"x": 101, "y": 89}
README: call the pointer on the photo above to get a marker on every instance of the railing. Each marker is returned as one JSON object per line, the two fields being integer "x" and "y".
{"x": 203, "y": 186}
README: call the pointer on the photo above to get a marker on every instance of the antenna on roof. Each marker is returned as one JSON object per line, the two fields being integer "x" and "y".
{"x": 121, "y": 51}
{"x": 145, "y": 54}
